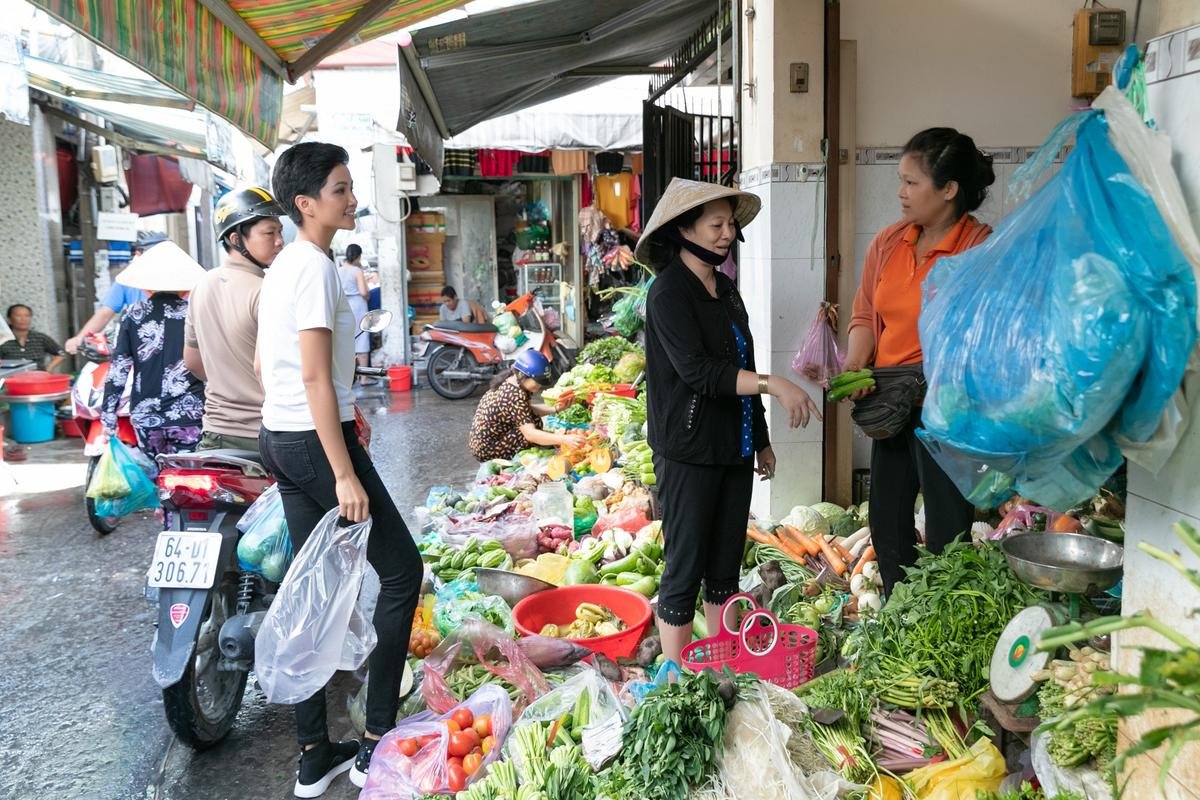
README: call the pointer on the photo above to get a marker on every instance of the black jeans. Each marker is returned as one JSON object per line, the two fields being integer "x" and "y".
{"x": 900, "y": 468}
{"x": 307, "y": 488}
{"x": 704, "y": 511}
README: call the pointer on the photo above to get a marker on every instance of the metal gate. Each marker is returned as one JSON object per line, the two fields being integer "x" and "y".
{"x": 682, "y": 145}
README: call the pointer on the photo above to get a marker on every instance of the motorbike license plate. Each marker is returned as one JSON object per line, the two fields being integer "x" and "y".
{"x": 184, "y": 560}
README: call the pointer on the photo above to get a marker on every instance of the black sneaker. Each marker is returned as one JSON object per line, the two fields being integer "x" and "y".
{"x": 358, "y": 775}
{"x": 320, "y": 765}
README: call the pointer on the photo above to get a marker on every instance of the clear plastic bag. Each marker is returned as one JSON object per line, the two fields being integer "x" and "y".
{"x": 1070, "y": 327}
{"x": 518, "y": 534}
{"x": 606, "y": 715}
{"x": 479, "y": 642}
{"x": 819, "y": 358}
{"x": 140, "y": 494}
{"x": 265, "y": 547}
{"x": 451, "y": 613}
{"x": 317, "y": 623}
{"x": 630, "y": 519}
{"x": 395, "y": 776}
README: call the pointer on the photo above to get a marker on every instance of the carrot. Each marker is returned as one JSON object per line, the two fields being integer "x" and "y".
{"x": 835, "y": 561}
{"x": 798, "y": 540}
{"x": 786, "y": 545}
{"x": 758, "y": 536}
{"x": 867, "y": 556}
{"x": 842, "y": 551}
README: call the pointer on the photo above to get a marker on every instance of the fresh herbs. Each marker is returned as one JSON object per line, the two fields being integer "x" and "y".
{"x": 672, "y": 740}
{"x": 607, "y": 351}
{"x": 941, "y": 624}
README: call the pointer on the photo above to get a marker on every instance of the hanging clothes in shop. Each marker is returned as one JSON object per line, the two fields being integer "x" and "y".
{"x": 568, "y": 162}
{"x": 637, "y": 163}
{"x": 460, "y": 163}
{"x": 156, "y": 186}
{"x": 615, "y": 197}
{"x": 635, "y": 204}
{"x": 498, "y": 163}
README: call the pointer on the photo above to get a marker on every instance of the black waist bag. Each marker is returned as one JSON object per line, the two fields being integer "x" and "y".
{"x": 886, "y": 411}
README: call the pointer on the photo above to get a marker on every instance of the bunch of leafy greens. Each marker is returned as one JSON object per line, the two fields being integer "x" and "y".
{"x": 608, "y": 351}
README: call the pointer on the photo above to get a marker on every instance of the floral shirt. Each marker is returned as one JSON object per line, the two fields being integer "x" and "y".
{"x": 496, "y": 429}
{"x": 165, "y": 394}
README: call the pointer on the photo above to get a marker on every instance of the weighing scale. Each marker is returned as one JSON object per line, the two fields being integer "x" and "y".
{"x": 1073, "y": 564}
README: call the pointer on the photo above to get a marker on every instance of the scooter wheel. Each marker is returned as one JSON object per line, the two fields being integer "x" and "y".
{"x": 451, "y": 358}
{"x": 102, "y": 525}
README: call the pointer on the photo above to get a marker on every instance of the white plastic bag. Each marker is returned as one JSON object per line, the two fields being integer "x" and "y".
{"x": 606, "y": 715}
{"x": 317, "y": 623}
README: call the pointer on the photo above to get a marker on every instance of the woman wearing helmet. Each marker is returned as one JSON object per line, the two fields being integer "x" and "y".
{"x": 508, "y": 421}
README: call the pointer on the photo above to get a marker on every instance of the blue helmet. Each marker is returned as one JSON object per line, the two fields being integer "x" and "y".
{"x": 533, "y": 364}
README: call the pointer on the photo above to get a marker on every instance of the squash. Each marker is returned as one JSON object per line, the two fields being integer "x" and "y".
{"x": 557, "y": 468}
{"x": 885, "y": 787}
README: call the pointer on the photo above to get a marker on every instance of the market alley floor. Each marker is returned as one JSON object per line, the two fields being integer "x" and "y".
{"x": 80, "y": 715}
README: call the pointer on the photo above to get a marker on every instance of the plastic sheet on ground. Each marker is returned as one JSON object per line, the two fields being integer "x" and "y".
{"x": 1085, "y": 781}
{"x": 1064, "y": 333}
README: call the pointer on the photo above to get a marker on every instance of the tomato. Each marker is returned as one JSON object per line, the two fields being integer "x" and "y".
{"x": 474, "y": 734}
{"x": 452, "y": 726}
{"x": 458, "y": 777}
{"x": 471, "y": 763}
{"x": 461, "y": 744}
{"x": 464, "y": 718}
{"x": 426, "y": 739}
{"x": 453, "y": 760}
{"x": 483, "y": 725}
{"x": 409, "y": 747}
{"x": 489, "y": 743}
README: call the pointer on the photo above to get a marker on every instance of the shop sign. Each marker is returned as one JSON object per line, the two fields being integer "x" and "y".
{"x": 114, "y": 226}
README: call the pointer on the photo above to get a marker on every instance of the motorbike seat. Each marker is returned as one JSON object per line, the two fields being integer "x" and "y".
{"x": 249, "y": 461}
{"x": 464, "y": 327}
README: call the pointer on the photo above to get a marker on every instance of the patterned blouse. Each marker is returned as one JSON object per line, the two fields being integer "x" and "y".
{"x": 496, "y": 429}
{"x": 165, "y": 394}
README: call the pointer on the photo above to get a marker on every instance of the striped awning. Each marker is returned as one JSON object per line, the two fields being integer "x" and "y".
{"x": 232, "y": 56}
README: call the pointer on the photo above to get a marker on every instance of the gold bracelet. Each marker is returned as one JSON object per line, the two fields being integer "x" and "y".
{"x": 763, "y": 388}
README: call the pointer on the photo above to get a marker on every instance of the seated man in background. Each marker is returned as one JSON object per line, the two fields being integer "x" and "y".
{"x": 27, "y": 343}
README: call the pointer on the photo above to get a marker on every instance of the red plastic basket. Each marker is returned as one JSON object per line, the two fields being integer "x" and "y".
{"x": 784, "y": 655}
{"x": 558, "y": 606}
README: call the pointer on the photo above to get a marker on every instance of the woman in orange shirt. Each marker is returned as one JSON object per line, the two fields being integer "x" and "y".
{"x": 943, "y": 178}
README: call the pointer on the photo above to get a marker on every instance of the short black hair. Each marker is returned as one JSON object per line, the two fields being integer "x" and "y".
{"x": 302, "y": 170}
{"x": 448, "y": 291}
{"x": 947, "y": 155}
{"x": 15, "y": 306}
{"x": 353, "y": 252}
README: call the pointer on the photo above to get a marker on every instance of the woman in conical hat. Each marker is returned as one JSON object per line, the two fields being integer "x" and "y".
{"x": 167, "y": 401}
{"x": 707, "y": 421}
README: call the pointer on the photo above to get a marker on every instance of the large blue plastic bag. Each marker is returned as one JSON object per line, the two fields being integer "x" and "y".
{"x": 320, "y": 620}
{"x": 142, "y": 495}
{"x": 265, "y": 547}
{"x": 1067, "y": 328}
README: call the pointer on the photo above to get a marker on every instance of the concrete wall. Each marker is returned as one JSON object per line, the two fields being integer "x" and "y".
{"x": 26, "y": 259}
{"x": 1158, "y": 501}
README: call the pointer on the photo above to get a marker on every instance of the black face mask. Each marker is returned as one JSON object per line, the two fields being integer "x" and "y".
{"x": 702, "y": 253}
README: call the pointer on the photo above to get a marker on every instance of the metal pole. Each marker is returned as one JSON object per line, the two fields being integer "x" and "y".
{"x": 720, "y": 120}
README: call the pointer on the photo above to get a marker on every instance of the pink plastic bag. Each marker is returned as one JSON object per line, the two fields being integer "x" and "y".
{"x": 517, "y": 533}
{"x": 630, "y": 519}
{"x": 479, "y": 642}
{"x": 395, "y": 776}
{"x": 1026, "y": 517}
{"x": 819, "y": 358}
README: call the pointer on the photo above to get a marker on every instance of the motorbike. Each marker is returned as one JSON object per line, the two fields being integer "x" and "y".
{"x": 87, "y": 400}
{"x": 463, "y": 355}
{"x": 209, "y": 609}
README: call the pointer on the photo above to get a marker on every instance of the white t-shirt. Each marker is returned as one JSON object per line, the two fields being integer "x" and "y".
{"x": 302, "y": 291}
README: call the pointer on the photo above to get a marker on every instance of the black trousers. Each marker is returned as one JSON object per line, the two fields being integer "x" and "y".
{"x": 704, "y": 514}
{"x": 307, "y": 487}
{"x": 900, "y": 468}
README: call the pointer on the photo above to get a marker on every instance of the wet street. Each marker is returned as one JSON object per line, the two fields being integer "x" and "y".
{"x": 80, "y": 715}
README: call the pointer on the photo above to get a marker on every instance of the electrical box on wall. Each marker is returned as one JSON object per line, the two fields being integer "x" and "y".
{"x": 799, "y": 77}
{"x": 1097, "y": 44}
{"x": 105, "y": 168}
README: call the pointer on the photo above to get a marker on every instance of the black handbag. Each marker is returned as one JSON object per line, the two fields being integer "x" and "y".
{"x": 885, "y": 412}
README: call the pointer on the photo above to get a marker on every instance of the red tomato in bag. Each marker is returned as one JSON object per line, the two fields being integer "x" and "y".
{"x": 464, "y": 718}
{"x": 461, "y": 743}
{"x": 458, "y": 777}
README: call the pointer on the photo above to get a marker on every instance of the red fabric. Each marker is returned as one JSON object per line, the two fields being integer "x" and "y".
{"x": 68, "y": 177}
{"x": 585, "y": 201}
{"x": 498, "y": 163}
{"x": 635, "y": 205}
{"x": 156, "y": 186}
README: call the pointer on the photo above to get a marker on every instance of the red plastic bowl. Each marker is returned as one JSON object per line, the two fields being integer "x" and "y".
{"x": 558, "y": 606}
{"x": 25, "y": 384}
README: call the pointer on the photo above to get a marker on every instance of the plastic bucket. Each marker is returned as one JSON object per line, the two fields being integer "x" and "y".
{"x": 558, "y": 606}
{"x": 400, "y": 379}
{"x": 32, "y": 422}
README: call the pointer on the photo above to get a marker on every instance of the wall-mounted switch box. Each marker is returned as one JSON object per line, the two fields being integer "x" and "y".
{"x": 799, "y": 74}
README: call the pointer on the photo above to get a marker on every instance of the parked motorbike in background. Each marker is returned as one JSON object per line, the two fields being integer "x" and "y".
{"x": 463, "y": 355}
{"x": 87, "y": 400}
{"x": 209, "y": 608}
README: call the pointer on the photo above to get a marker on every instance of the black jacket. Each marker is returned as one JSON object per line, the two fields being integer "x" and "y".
{"x": 693, "y": 409}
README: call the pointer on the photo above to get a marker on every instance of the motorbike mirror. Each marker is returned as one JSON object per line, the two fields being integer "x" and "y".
{"x": 376, "y": 321}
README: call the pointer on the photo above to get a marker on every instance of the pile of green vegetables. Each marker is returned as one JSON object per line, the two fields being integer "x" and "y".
{"x": 672, "y": 741}
{"x": 932, "y": 642}
{"x": 545, "y": 765}
{"x": 608, "y": 351}
{"x": 1093, "y": 737}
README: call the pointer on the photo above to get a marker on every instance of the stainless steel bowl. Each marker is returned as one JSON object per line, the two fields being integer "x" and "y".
{"x": 512, "y": 586}
{"x": 1065, "y": 562}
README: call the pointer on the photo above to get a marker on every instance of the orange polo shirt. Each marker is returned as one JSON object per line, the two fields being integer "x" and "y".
{"x": 889, "y": 298}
